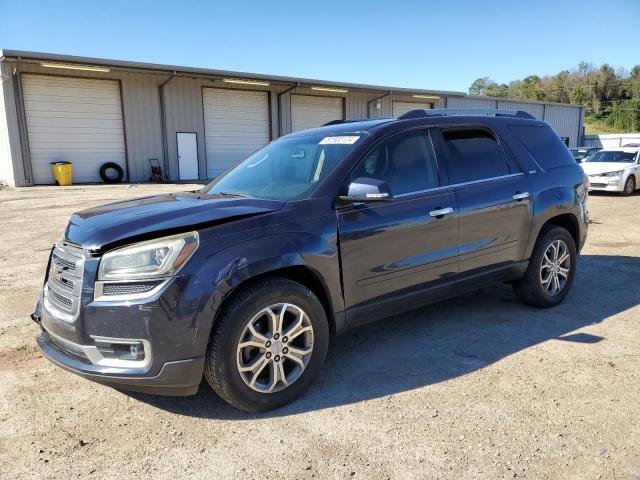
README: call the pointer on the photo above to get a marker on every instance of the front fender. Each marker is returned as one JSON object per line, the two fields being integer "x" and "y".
{"x": 222, "y": 271}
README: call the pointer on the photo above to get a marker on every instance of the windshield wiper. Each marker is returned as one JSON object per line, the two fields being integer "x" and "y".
{"x": 233, "y": 194}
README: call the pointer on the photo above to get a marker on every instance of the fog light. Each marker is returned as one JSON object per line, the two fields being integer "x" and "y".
{"x": 121, "y": 350}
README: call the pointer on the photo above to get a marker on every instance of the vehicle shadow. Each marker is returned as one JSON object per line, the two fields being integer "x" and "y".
{"x": 444, "y": 341}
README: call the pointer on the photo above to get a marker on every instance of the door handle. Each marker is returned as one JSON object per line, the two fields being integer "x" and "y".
{"x": 520, "y": 196}
{"x": 441, "y": 212}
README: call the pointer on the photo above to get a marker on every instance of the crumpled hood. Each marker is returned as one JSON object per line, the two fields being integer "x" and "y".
{"x": 162, "y": 214}
{"x": 593, "y": 168}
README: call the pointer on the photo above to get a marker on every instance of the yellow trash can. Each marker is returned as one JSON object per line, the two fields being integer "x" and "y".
{"x": 62, "y": 172}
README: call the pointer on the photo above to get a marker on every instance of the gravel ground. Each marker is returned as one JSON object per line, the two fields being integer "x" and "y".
{"x": 476, "y": 387}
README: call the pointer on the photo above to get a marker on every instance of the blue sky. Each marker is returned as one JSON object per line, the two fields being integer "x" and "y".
{"x": 419, "y": 44}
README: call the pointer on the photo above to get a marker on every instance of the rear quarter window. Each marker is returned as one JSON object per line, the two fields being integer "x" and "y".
{"x": 544, "y": 145}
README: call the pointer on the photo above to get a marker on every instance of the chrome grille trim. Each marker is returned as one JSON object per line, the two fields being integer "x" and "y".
{"x": 63, "y": 289}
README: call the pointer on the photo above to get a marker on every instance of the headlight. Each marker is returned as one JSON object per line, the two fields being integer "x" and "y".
{"x": 613, "y": 174}
{"x": 149, "y": 260}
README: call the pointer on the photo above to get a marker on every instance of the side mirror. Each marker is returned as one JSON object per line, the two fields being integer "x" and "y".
{"x": 367, "y": 190}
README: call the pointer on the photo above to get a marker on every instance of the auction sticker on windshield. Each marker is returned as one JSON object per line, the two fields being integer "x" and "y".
{"x": 339, "y": 140}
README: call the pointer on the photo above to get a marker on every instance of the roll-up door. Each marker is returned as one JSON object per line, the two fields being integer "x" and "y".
{"x": 236, "y": 123}
{"x": 74, "y": 120}
{"x": 313, "y": 111}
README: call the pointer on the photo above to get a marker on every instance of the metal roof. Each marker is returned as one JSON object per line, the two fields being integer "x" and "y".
{"x": 154, "y": 67}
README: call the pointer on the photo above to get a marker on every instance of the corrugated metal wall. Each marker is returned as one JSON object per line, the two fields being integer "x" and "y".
{"x": 468, "y": 102}
{"x": 141, "y": 106}
{"x": 566, "y": 121}
{"x": 184, "y": 113}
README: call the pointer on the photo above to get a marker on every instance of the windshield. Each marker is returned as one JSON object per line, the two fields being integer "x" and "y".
{"x": 286, "y": 169}
{"x": 612, "y": 156}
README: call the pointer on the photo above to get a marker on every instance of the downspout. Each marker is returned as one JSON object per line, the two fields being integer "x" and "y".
{"x": 22, "y": 126}
{"x": 280, "y": 106}
{"x": 375, "y": 100}
{"x": 163, "y": 125}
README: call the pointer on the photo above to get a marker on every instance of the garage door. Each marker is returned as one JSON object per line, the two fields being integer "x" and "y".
{"x": 311, "y": 112}
{"x": 400, "y": 108}
{"x": 236, "y": 124}
{"x": 74, "y": 120}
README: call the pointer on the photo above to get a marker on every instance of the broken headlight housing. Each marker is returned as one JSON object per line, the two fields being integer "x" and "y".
{"x": 149, "y": 260}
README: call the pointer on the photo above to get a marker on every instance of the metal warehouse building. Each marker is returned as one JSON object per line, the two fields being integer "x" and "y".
{"x": 196, "y": 122}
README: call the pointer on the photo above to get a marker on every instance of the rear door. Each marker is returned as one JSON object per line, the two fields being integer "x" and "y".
{"x": 494, "y": 198}
{"x": 393, "y": 248}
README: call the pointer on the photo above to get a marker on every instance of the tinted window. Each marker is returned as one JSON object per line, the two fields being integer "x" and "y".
{"x": 406, "y": 162}
{"x": 544, "y": 145}
{"x": 473, "y": 154}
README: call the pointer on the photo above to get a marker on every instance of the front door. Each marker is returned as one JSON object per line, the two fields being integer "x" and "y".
{"x": 188, "y": 156}
{"x": 493, "y": 196}
{"x": 396, "y": 248}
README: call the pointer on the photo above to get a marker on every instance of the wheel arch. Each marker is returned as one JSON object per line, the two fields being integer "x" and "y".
{"x": 300, "y": 273}
{"x": 569, "y": 222}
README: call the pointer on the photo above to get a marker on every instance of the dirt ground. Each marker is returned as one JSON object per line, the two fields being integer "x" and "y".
{"x": 476, "y": 387}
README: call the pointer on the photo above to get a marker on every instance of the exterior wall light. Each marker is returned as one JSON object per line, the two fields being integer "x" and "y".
{"x": 426, "y": 97}
{"x": 71, "y": 66}
{"x": 329, "y": 89}
{"x": 246, "y": 82}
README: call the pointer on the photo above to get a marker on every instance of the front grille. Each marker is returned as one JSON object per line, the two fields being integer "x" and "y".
{"x": 60, "y": 299}
{"x": 64, "y": 282}
{"x": 598, "y": 185}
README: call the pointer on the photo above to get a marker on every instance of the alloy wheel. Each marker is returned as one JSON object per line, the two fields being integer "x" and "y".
{"x": 629, "y": 186}
{"x": 275, "y": 347}
{"x": 556, "y": 264}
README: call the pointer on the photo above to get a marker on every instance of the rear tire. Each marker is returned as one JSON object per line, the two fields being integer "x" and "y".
{"x": 629, "y": 186}
{"x": 548, "y": 280}
{"x": 249, "y": 364}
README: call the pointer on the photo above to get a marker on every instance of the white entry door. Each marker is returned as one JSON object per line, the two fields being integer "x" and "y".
{"x": 188, "y": 156}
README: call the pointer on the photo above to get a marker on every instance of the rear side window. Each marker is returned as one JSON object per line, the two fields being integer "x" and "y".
{"x": 544, "y": 145}
{"x": 473, "y": 154}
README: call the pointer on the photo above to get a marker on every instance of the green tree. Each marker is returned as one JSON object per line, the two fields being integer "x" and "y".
{"x": 479, "y": 86}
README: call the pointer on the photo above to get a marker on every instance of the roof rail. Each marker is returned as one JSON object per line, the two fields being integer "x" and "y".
{"x": 447, "y": 112}
{"x": 347, "y": 120}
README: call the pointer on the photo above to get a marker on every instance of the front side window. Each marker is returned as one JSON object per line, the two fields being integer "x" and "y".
{"x": 473, "y": 154}
{"x": 405, "y": 161}
{"x": 287, "y": 169}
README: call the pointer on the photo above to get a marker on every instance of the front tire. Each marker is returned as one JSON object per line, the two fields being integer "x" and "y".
{"x": 268, "y": 345}
{"x": 629, "y": 186}
{"x": 551, "y": 269}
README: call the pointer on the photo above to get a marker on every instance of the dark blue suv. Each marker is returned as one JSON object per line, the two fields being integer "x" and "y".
{"x": 247, "y": 280}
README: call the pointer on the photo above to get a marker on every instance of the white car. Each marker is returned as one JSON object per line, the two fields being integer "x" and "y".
{"x": 614, "y": 170}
